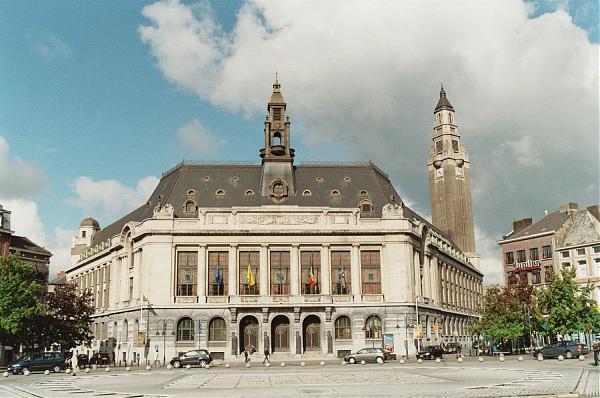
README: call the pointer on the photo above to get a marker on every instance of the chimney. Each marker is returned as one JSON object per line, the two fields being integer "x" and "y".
{"x": 569, "y": 207}
{"x": 594, "y": 211}
{"x": 519, "y": 225}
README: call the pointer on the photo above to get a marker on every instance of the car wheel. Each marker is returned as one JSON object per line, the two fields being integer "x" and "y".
{"x": 203, "y": 363}
{"x": 56, "y": 369}
{"x": 540, "y": 356}
{"x": 379, "y": 360}
{"x": 176, "y": 364}
{"x": 568, "y": 354}
{"x": 352, "y": 360}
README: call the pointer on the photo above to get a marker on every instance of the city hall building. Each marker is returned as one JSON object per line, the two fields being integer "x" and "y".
{"x": 305, "y": 260}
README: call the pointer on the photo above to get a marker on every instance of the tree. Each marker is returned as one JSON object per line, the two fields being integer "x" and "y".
{"x": 19, "y": 305}
{"x": 66, "y": 319}
{"x": 567, "y": 307}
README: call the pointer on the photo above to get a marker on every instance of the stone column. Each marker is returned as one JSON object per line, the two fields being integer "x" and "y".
{"x": 325, "y": 270}
{"x": 417, "y": 271}
{"x": 202, "y": 267}
{"x": 427, "y": 277}
{"x": 233, "y": 271}
{"x": 355, "y": 270}
{"x": 264, "y": 270}
{"x": 295, "y": 270}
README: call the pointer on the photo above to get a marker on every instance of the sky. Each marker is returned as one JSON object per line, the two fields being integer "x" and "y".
{"x": 97, "y": 99}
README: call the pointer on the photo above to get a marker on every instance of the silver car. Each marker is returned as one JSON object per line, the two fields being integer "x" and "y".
{"x": 368, "y": 355}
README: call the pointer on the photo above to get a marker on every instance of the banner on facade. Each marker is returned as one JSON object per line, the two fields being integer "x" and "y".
{"x": 418, "y": 331}
{"x": 141, "y": 339}
{"x": 388, "y": 342}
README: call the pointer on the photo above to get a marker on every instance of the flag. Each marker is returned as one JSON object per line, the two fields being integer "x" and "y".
{"x": 311, "y": 277}
{"x": 250, "y": 277}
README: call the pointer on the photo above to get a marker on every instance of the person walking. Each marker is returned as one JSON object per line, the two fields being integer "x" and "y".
{"x": 596, "y": 348}
{"x": 266, "y": 356}
{"x": 246, "y": 355}
{"x": 75, "y": 363}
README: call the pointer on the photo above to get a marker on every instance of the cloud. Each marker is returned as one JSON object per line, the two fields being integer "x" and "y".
{"x": 18, "y": 178}
{"x": 109, "y": 198}
{"x": 195, "y": 138}
{"x": 47, "y": 45}
{"x": 364, "y": 76}
{"x": 490, "y": 261}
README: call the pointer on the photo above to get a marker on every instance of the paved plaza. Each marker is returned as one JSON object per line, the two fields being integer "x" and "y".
{"x": 471, "y": 378}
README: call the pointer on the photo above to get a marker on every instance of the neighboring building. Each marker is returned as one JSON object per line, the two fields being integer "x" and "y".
{"x": 568, "y": 237}
{"x": 316, "y": 259}
{"x": 61, "y": 279}
{"x": 5, "y": 232}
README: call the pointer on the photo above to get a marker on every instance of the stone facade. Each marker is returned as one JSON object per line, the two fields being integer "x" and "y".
{"x": 218, "y": 259}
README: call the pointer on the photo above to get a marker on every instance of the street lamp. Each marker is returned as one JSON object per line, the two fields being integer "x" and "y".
{"x": 405, "y": 330}
{"x": 162, "y": 325}
{"x": 455, "y": 333}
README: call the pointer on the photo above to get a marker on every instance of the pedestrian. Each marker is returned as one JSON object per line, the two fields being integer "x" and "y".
{"x": 596, "y": 348}
{"x": 252, "y": 350}
{"x": 266, "y": 356}
{"x": 74, "y": 362}
{"x": 246, "y": 355}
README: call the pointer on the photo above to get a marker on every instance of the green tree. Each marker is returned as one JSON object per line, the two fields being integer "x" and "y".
{"x": 19, "y": 305}
{"x": 567, "y": 306}
{"x": 66, "y": 319}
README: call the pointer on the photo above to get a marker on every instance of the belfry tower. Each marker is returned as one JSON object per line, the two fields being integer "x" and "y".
{"x": 277, "y": 155}
{"x": 449, "y": 180}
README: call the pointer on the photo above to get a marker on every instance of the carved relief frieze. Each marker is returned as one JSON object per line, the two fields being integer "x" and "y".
{"x": 279, "y": 219}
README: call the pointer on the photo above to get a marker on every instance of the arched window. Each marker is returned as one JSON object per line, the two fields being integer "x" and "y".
{"x": 185, "y": 329}
{"x": 373, "y": 327}
{"x": 277, "y": 139}
{"x": 125, "y": 331}
{"x": 217, "y": 330}
{"x": 190, "y": 207}
{"x": 343, "y": 328}
{"x": 366, "y": 206}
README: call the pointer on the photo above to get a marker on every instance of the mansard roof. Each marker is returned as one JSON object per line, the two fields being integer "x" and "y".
{"x": 23, "y": 244}
{"x": 443, "y": 102}
{"x": 550, "y": 223}
{"x": 337, "y": 185}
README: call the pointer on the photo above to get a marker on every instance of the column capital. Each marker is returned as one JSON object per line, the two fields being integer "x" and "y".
{"x": 233, "y": 245}
{"x": 202, "y": 245}
{"x": 326, "y": 245}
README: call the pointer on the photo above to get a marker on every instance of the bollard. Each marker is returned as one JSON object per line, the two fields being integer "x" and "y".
{"x": 248, "y": 364}
{"x": 343, "y": 362}
{"x": 401, "y": 361}
{"x": 582, "y": 357}
{"x": 5, "y": 374}
{"x": 108, "y": 368}
{"x": 419, "y": 360}
{"x": 460, "y": 359}
{"x": 207, "y": 366}
{"x": 169, "y": 366}
{"x": 268, "y": 364}
{"x": 501, "y": 358}
{"x": 480, "y": 359}
{"x": 26, "y": 372}
{"x": 87, "y": 370}
{"x": 362, "y": 362}
{"x": 303, "y": 364}
{"x": 437, "y": 360}
{"x": 46, "y": 372}
{"x": 282, "y": 364}
{"x": 520, "y": 358}
{"x": 148, "y": 367}
{"x": 227, "y": 365}
{"x": 322, "y": 363}
{"x": 94, "y": 366}
{"x": 540, "y": 357}
{"x": 188, "y": 366}
{"x": 68, "y": 371}
{"x": 128, "y": 369}
{"x": 561, "y": 358}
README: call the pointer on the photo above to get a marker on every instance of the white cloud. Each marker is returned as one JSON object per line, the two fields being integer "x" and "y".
{"x": 18, "y": 178}
{"x": 489, "y": 262}
{"x": 47, "y": 44}
{"x": 195, "y": 138}
{"x": 365, "y": 75}
{"x": 110, "y": 198}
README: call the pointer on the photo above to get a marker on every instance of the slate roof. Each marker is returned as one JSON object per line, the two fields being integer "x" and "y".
{"x": 549, "y": 223}
{"x": 443, "y": 102}
{"x": 21, "y": 243}
{"x": 584, "y": 229}
{"x": 235, "y": 179}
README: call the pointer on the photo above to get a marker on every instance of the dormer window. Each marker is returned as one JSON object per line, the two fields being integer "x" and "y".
{"x": 366, "y": 206}
{"x": 306, "y": 193}
{"x": 83, "y": 234}
{"x": 249, "y": 192}
{"x": 363, "y": 193}
{"x": 220, "y": 192}
{"x": 346, "y": 179}
{"x": 191, "y": 192}
{"x": 319, "y": 179}
{"x": 189, "y": 207}
{"x": 335, "y": 192}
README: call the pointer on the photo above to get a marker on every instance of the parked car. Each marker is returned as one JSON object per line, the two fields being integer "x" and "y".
{"x": 193, "y": 357}
{"x": 431, "y": 352}
{"x": 100, "y": 358}
{"x": 367, "y": 355}
{"x": 567, "y": 349}
{"x": 54, "y": 361}
{"x": 451, "y": 348}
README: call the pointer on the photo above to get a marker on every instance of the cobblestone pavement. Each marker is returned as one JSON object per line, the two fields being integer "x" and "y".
{"x": 470, "y": 379}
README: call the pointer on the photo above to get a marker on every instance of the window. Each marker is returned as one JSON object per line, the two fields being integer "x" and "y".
{"x": 455, "y": 145}
{"x": 249, "y": 192}
{"x": 310, "y": 272}
{"x": 185, "y": 329}
{"x": 537, "y": 277}
{"x": 523, "y": 276}
{"x": 581, "y": 252}
{"x": 512, "y": 278}
{"x": 276, "y": 114}
{"x": 130, "y": 288}
{"x": 370, "y": 272}
{"x": 366, "y": 206}
{"x": 125, "y": 331}
{"x": 546, "y": 252}
{"x": 363, "y": 193}
{"x": 520, "y": 256}
{"x": 249, "y": 269}
{"x": 439, "y": 146}
{"x": 277, "y": 139}
{"x": 547, "y": 273}
{"x": 218, "y": 274}
{"x": 306, "y": 193}
{"x": 564, "y": 254}
{"x": 596, "y": 249}
{"x": 335, "y": 192}
{"x": 373, "y": 327}
{"x": 220, "y": 192}
{"x": 187, "y": 268}
{"x": 566, "y": 266}
{"x": 510, "y": 258}
{"x": 217, "y": 330}
{"x": 341, "y": 277}
{"x": 582, "y": 271}
{"x": 280, "y": 270}
{"x": 534, "y": 254}
{"x": 343, "y": 328}
{"x": 83, "y": 234}
{"x": 596, "y": 270}
{"x": 190, "y": 207}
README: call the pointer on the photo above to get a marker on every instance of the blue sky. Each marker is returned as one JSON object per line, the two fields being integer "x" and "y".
{"x": 88, "y": 106}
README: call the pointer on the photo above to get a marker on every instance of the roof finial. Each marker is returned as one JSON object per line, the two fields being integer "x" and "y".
{"x": 442, "y": 92}
{"x": 276, "y": 78}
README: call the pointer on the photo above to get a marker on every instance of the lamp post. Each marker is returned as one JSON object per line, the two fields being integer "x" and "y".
{"x": 455, "y": 333}
{"x": 417, "y": 311}
{"x": 162, "y": 325}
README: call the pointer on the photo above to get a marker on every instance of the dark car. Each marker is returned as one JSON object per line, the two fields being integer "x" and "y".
{"x": 431, "y": 352}
{"x": 100, "y": 358}
{"x": 567, "y": 349}
{"x": 38, "y": 361}
{"x": 451, "y": 348}
{"x": 367, "y": 355}
{"x": 193, "y": 357}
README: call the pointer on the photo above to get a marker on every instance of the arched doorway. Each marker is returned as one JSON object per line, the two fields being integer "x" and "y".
{"x": 280, "y": 334}
{"x": 311, "y": 333}
{"x": 248, "y": 333}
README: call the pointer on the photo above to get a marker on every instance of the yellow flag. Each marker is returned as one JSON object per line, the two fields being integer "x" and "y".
{"x": 250, "y": 277}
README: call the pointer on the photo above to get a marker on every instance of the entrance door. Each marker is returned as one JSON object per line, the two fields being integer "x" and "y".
{"x": 312, "y": 333}
{"x": 249, "y": 333}
{"x": 280, "y": 334}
